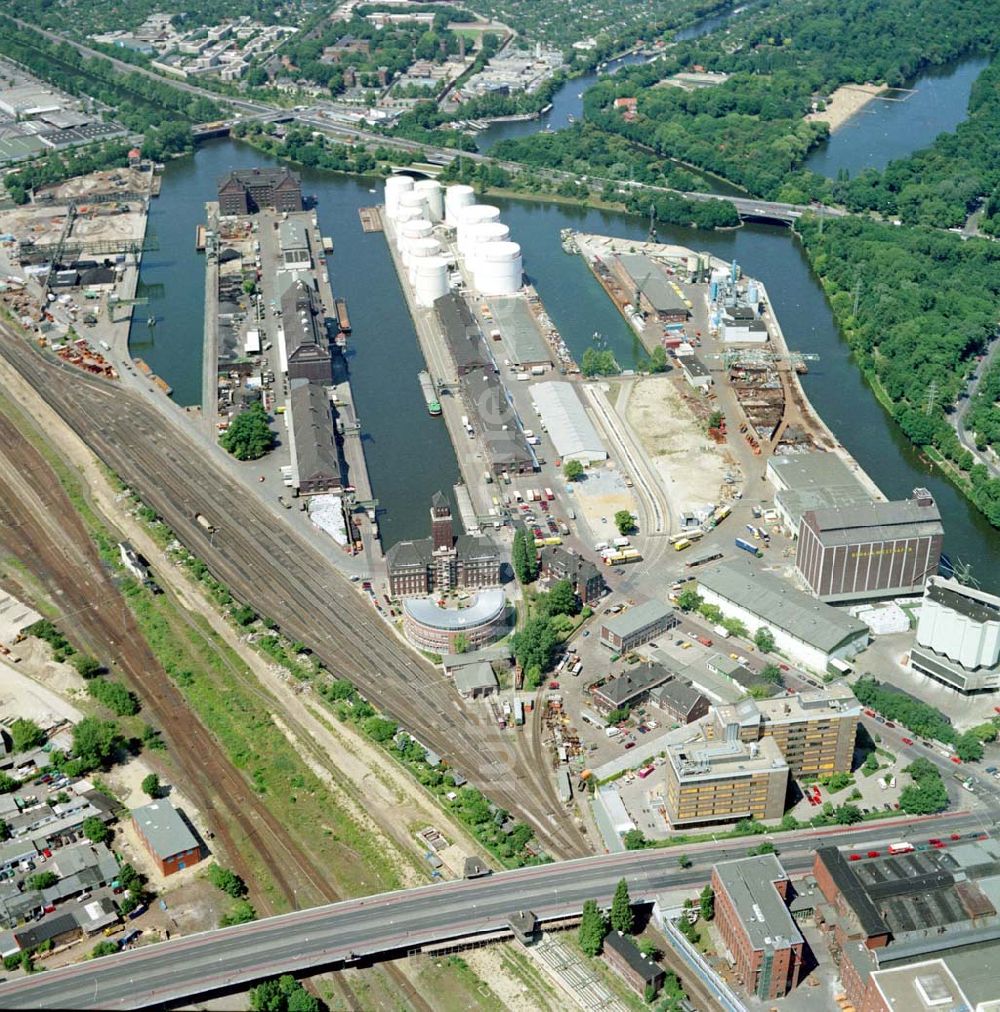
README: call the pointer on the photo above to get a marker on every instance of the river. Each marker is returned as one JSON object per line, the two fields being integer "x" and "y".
{"x": 886, "y": 129}
{"x": 567, "y": 103}
{"x": 409, "y": 455}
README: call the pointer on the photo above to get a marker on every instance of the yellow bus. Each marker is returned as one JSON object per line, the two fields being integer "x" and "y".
{"x": 679, "y": 546}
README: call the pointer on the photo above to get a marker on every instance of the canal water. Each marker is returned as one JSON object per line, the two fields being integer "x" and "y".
{"x": 409, "y": 454}
{"x": 567, "y": 103}
{"x": 887, "y": 129}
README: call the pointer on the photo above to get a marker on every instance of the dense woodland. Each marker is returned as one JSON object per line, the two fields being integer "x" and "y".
{"x": 917, "y": 306}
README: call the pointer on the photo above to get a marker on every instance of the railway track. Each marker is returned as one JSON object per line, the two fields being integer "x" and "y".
{"x": 45, "y": 533}
{"x": 282, "y": 576}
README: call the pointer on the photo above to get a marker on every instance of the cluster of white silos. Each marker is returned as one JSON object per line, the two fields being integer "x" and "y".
{"x": 490, "y": 257}
{"x": 415, "y": 207}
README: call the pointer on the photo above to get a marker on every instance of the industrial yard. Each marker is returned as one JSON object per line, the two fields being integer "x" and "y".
{"x": 36, "y": 118}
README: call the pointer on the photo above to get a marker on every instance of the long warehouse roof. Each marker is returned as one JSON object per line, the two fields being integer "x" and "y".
{"x": 570, "y": 429}
{"x": 781, "y": 605}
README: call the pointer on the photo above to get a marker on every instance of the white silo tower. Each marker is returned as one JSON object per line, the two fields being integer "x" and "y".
{"x": 498, "y": 268}
{"x": 474, "y": 214}
{"x": 414, "y": 200}
{"x": 430, "y": 190}
{"x": 430, "y": 279}
{"x": 482, "y": 233}
{"x": 416, "y": 228}
{"x": 417, "y": 249}
{"x": 456, "y": 197}
{"x": 395, "y": 186}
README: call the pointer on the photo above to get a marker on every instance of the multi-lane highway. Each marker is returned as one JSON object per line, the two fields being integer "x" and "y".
{"x": 396, "y": 922}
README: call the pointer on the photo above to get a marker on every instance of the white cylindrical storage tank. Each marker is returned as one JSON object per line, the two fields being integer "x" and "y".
{"x": 403, "y": 215}
{"x": 417, "y": 249}
{"x": 456, "y": 197}
{"x": 498, "y": 268}
{"x": 395, "y": 187}
{"x": 474, "y": 214}
{"x": 412, "y": 199}
{"x": 415, "y": 228}
{"x": 480, "y": 234}
{"x": 430, "y": 279}
{"x": 430, "y": 190}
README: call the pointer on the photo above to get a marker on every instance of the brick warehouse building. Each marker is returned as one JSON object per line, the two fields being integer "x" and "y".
{"x": 879, "y": 549}
{"x": 246, "y": 191}
{"x": 753, "y": 919}
{"x": 442, "y": 561}
{"x": 167, "y": 837}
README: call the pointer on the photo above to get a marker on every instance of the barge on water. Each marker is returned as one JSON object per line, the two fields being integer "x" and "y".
{"x": 343, "y": 320}
{"x": 200, "y": 237}
{"x": 430, "y": 394}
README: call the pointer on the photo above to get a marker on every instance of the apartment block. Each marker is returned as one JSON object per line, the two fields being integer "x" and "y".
{"x": 724, "y": 780}
{"x": 814, "y": 730}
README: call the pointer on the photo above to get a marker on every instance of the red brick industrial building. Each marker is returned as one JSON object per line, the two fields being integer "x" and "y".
{"x": 759, "y": 932}
{"x": 167, "y": 837}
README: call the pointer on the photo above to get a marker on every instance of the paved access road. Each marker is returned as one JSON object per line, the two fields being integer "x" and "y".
{"x": 394, "y": 922}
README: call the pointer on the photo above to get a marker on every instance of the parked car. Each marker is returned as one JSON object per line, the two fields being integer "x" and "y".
{"x": 906, "y": 741}
{"x": 629, "y": 744}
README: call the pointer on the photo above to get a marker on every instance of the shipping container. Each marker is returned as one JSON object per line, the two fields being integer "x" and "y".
{"x": 679, "y": 546}
{"x": 702, "y": 560}
{"x": 749, "y": 546}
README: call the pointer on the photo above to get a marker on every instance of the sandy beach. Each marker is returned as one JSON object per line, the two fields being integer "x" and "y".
{"x": 844, "y": 103}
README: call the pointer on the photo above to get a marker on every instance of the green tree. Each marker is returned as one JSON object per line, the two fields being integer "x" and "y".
{"x": 87, "y": 666}
{"x": 120, "y": 701}
{"x": 870, "y": 764}
{"x": 649, "y": 948}
{"x": 622, "y": 917}
{"x": 42, "y": 880}
{"x": 249, "y": 435}
{"x": 624, "y": 522}
{"x": 95, "y": 830}
{"x": 847, "y": 815}
{"x": 683, "y": 861}
{"x": 461, "y": 643}
{"x": 927, "y": 794}
{"x": 969, "y": 748}
{"x": 771, "y": 674}
{"x": 241, "y": 913}
{"x": 533, "y": 645}
{"x": 25, "y": 734}
{"x": 634, "y": 839}
{"x": 103, "y": 948}
{"x": 706, "y": 903}
{"x": 228, "y": 881}
{"x": 573, "y": 470}
{"x": 379, "y": 729}
{"x": 282, "y": 994}
{"x": 151, "y": 785}
{"x": 837, "y": 782}
{"x": 96, "y": 742}
{"x": 524, "y": 559}
{"x": 617, "y": 715}
{"x": 561, "y": 599}
{"x": 689, "y": 599}
{"x": 593, "y": 928}
{"x": 764, "y": 640}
